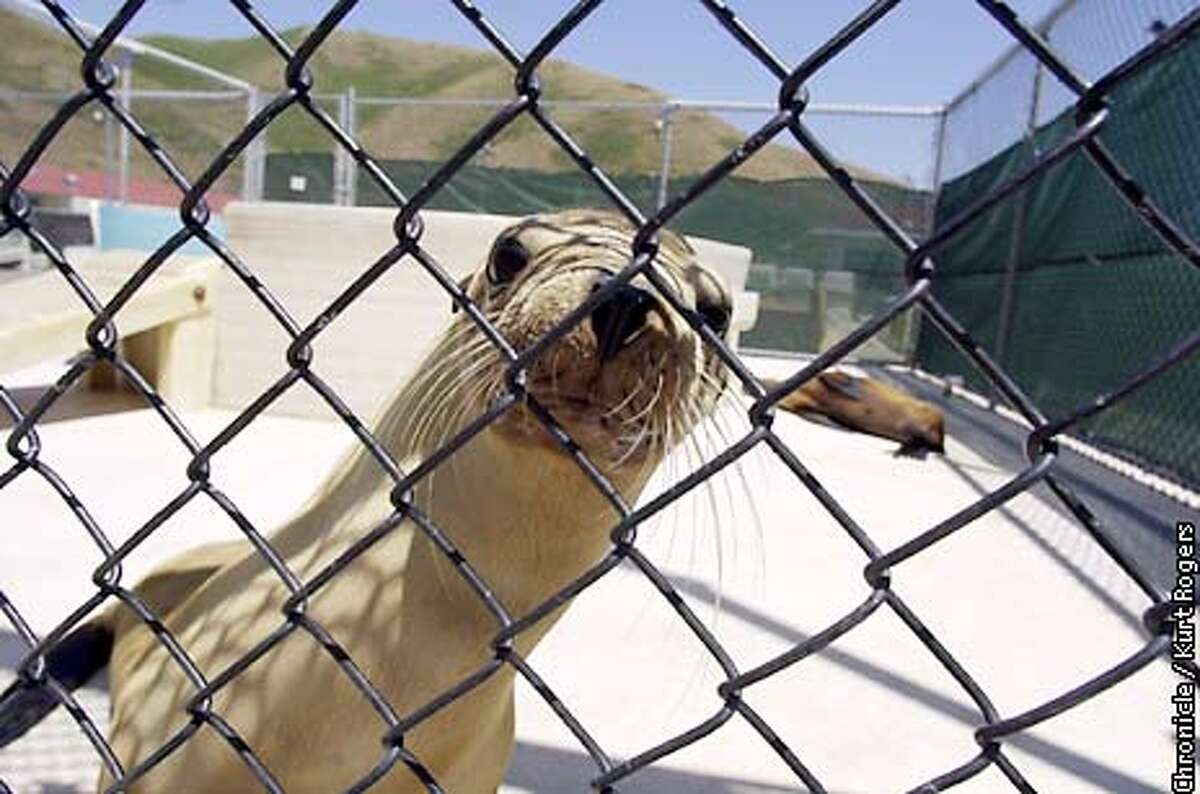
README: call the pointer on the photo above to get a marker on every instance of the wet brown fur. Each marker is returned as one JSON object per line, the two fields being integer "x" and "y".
{"x": 869, "y": 405}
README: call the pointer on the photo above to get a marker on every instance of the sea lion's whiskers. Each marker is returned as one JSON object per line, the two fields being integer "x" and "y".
{"x": 710, "y": 486}
{"x": 685, "y": 422}
{"x": 469, "y": 379}
{"x": 670, "y": 476}
{"x": 558, "y": 350}
{"x": 625, "y": 401}
{"x": 731, "y": 406}
{"x": 699, "y": 430}
{"x": 431, "y": 409}
{"x": 627, "y": 447}
{"x": 431, "y": 419}
{"x": 658, "y": 452}
{"x": 427, "y": 383}
{"x": 654, "y": 398}
{"x": 643, "y": 426}
{"x": 473, "y": 392}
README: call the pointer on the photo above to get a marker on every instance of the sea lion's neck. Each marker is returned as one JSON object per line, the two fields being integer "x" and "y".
{"x": 523, "y": 514}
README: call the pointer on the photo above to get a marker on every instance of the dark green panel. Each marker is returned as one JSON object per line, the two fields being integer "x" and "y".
{"x": 1097, "y": 296}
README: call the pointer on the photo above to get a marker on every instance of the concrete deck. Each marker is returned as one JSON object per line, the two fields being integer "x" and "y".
{"x": 1026, "y": 602}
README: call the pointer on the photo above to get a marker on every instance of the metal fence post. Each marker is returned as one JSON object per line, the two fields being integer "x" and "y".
{"x": 125, "y": 64}
{"x": 1016, "y": 241}
{"x": 110, "y": 156}
{"x": 344, "y": 170}
{"x": 252, "y": 167}
{"x": 913, "y": 331}
{"x": 664, "y": 137}
{"x": 350, "y": 125}
{"x": 939, "y": 164}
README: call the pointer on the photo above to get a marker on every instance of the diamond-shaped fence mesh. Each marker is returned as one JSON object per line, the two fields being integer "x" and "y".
{"x": 1092, "y": 115}
{"x": 1068, "y": 258}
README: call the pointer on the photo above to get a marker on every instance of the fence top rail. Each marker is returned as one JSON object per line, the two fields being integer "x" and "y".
{"x": 17, "y": 94}
{"x": 38, "y": 13}
{"x": 1005, "y": 57}
{"x": 666, "y": 105}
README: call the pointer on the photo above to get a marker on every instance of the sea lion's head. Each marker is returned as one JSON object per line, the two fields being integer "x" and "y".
{"x": 633, "y": 377}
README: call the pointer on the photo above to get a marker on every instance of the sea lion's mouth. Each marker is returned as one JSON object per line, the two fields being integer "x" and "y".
{"x": 613, "y": 431}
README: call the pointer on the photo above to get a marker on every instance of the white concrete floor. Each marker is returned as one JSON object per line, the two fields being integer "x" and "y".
{"x": 1015, "y": 596}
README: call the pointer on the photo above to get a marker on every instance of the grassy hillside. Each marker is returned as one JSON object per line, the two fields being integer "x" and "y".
{"x": 622, "y": 141}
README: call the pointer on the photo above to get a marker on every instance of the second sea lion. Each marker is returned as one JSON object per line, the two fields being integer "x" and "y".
{"x": 871, "y": 406}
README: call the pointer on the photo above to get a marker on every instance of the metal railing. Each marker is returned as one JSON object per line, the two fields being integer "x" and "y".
{"x": 788, "y": 118}
{"x": 348, "y": 104}
{"x": 666, "y": 114}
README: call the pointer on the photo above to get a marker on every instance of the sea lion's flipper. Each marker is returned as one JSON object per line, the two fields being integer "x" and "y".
{"x": 74, "y": 660}
{"x": 914, "y": 448}
{"x": 842, "y": 383}
{"x": 797, "y": 401}
{"x": 86, "y": 650}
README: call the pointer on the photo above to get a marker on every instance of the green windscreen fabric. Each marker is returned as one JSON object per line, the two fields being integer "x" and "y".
{"x": 305, "y": 177}
{"x": 1097, "y": 296}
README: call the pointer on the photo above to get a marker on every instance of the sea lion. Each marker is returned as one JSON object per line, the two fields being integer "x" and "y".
{"x": 869, "y": 405}
{"x": 626, "y": 384}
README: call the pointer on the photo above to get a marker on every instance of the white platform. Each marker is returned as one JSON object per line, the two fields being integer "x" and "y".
{"x": 1013, "y": 596}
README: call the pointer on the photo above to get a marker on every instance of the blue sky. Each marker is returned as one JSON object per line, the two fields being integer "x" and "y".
{"x": 923, "y": 52}
{"x": 927, "y": 49}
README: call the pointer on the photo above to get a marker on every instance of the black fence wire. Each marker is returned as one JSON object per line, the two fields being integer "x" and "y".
{"x": 1066, "y": 257}
{"x": 1091, "y": 115}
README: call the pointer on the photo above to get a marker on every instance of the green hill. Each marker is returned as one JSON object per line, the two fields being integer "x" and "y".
{"x": 622, "y": 141}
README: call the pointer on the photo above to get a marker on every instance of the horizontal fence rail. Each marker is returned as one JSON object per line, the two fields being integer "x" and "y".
{"x": 788, "y": 118}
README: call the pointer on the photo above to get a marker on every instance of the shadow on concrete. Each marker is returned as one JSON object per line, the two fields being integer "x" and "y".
{"x": 1127, "y": 616}
{"x": 12, "y": 649}
{"x": 1096, "y": 772}
{"x": 553, "y": 770}
{"x": 78, "y": 403}
{"x": 1133, "y": 517}
{"x": 550, "y": 770}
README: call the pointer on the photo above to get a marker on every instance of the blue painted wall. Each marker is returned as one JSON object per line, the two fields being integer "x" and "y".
{"x": 145, "y": 228}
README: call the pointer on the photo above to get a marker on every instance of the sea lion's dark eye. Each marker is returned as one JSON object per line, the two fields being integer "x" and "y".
{"x": 712, "y": 299}
{"x": 716, "y": 316}
{"x": 507, "y": 260}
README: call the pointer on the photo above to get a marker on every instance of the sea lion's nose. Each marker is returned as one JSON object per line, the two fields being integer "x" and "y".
{"x": 621, "y": 318}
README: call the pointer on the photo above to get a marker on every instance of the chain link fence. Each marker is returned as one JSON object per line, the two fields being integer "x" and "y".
{"x": 1096, "y": 108}
{"x": 819, "y": 266}
{"x": 1068, "y": 258}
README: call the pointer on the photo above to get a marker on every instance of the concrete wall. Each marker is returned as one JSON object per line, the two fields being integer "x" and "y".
{"x": 307, "y": 254}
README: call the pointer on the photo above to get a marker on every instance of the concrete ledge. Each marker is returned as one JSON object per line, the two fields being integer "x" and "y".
{"x": 166, "y": 328}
